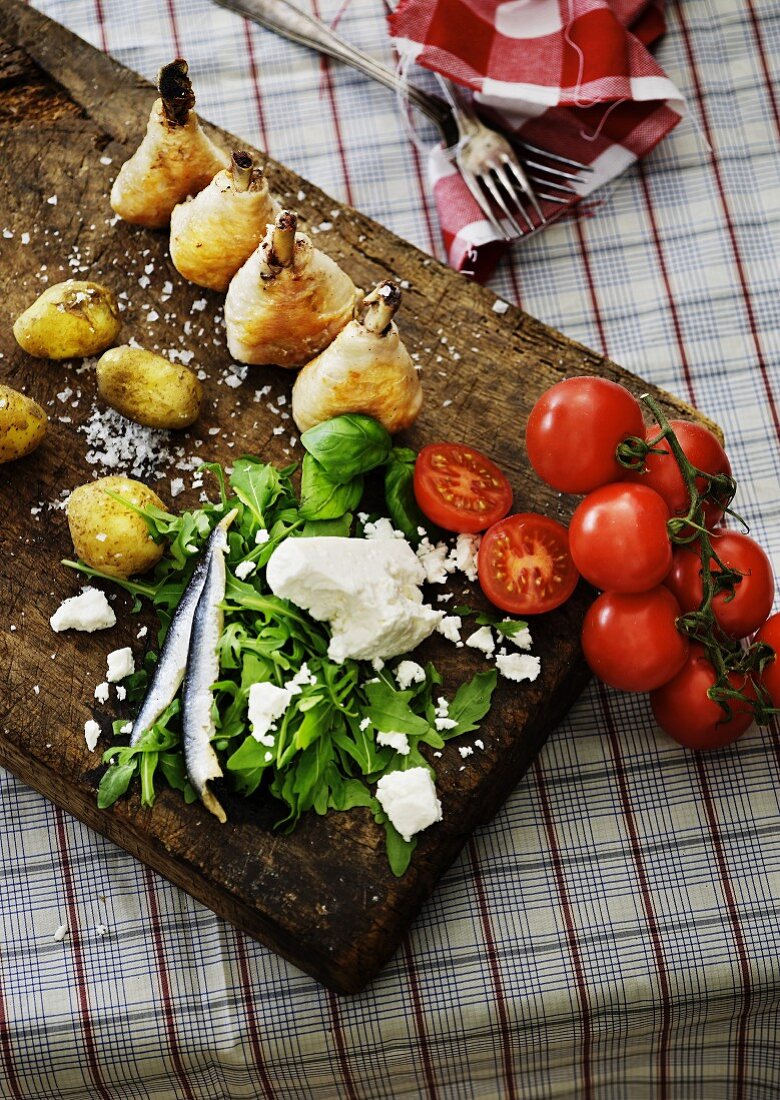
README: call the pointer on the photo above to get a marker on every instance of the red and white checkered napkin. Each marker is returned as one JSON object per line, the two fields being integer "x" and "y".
{"x": 572, "y": 76}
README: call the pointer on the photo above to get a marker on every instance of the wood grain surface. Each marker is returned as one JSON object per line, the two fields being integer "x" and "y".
{"x": 324, "y": 896}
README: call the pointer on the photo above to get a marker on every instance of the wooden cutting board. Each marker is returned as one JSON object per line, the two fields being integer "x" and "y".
{"x": 324, "y": 896}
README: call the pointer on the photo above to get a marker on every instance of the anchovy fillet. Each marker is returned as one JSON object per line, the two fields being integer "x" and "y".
{"x": 203, "y": 670}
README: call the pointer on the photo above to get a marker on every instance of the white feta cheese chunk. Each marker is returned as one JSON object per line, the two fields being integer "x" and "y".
{"x": 435, "y": 560}
{"x": 409, "y": 800}
{"x": 522, "y": 639}
{"x": 380, "y": 529}
{"x": 91, "y": 734}
{"x": 464, "y": 554}
{"x": 244, "y": 568}
{"x": 267, "y": 703}
{"x": 368, "y": 591}
{"x": 409, "y": 672}
{"x": 482, "y": 640}
{"x": 518, "y": 666}
{"x": 397, "y": 741}
{"x": 450, "y": 627}
{"x": 102, "y": 692}
{"x": 120, "y": 664}
{"x": 89, "y": 611}
{"x": 262, "y": 536}
{"x": 442, "y": 721}
{"x": 465, "y": 750}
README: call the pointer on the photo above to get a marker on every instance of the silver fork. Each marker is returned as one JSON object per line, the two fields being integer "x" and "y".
{"x": 485, "y": 159}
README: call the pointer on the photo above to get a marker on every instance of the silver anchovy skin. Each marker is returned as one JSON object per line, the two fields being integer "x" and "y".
{"x": 172, "y": 661}
{"x": 202, "y": 671}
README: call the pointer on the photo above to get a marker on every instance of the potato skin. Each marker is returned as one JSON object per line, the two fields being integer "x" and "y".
{"x": 148, "y": 388}
{"x": 22, "y": 424}
{"x": 69, "y": 321}
{"x": 127, "y": 548}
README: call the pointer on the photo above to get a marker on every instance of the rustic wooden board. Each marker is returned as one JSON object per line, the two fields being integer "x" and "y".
{"x": 324, "y": 896}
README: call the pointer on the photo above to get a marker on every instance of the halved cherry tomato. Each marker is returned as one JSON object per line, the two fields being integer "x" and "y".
{"x": 460, "y": 489}
{"x": 630, "y": 639}
{"x": 684, "y": 710}
{"x": 753, "y": 595}
{"x": 770, "y": 677}
{"x": 574, "y": 429}
{"x": 524, "y": 564}
{"x": 619, "y": 540}
{"x": 663, "y": 474}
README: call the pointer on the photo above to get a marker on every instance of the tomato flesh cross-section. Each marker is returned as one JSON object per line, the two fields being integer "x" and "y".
{"x": 524, "y": 564}
{"x": 460, "y": 489}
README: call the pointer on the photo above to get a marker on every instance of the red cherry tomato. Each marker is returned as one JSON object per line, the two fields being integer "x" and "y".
{"x": 630, "y": 639}
{"x": 460, "y": 489}
{"x": 753, "y": 595}
{"x": 524, "y": 564}
{"x": 573, "y": 431}
{"x": 684, "y": 710}
{"x": 770, "y": 677}
{"x": 619, "y": 540}
{"x": 663, "y": 474}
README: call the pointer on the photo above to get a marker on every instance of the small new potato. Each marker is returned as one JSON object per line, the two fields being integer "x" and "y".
{"x": 22, "y": 424}
{"x": 107, "y": 534}
{"x": 148, "y": 388}
{"x": 70, "y": 320}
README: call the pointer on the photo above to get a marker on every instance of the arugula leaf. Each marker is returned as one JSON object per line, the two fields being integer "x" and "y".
{"x": 341, "y": 527}
{"x": 247, "y": 764}
{"x": 471, "y": 703}
{"x": 509, "y": 628}
{"x": 114, "y": 782}
{"x": 390, "y": 712}
{"x": 399, "y": 493}
{"x": 347, "y": 446}
{"x": 257, "y": 485}
{"x": 322, "y": 497}
{"x": 350, "y": 794}
{"x": 399, "y": 851}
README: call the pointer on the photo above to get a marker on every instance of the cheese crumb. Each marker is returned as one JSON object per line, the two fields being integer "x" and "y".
{"x": 464, "y": 554}
{"x": 120, "y": 664}
{"x": 267, "y": 703}
{"x": 61, "y": 932}
{"x": 450, "y": 627}
{"x": 518, "y": 666}
{"x": 262, "y": 536}
{"x": 244, "y": 568}
{"x": 465, "y": 750}
{"x": 89, "y": 611}
{"x": 409, "y": 672}
{"x": 409, "y": 800}
{"x": 442, "y": 721}
{"x": 397, "y": 741}
{"x": 91, "y": 734}
{"x": 102, "y": 692}
{"x": 482, "y": 640}
{"x": 522, "y": 639}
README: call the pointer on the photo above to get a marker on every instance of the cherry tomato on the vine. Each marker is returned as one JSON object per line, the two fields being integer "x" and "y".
{"x": 574, "y": 429}
{"x": 753, "y": 595}
{"x": 662, "y": 473}
{"x": 630, "y": 639}
{"x": 524, "y": 564}
{"x": 460, "y": 489}
{"x": 770, "y": 677}
{"x": 619, "y": 539}
{"x": 684, "y": 710}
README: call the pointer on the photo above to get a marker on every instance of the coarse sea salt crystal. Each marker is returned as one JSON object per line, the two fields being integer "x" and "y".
{"x": 499, "y": 306}
{"x": 177, "y": 486}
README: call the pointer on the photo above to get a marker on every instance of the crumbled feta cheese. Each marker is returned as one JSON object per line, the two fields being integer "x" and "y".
{"x": 365, "y": 723}
{"x": 482, "y": 640}
{"x": 142, "y": 632}
{"x": 61, "y": 933}
{"x": 397, "y": 741}
{"x": 435, "y": 560}
{"x": 300, "y": 680}
{"x": 479, "y": 744}
{"x": 367, "y": 590}
{"x": 267, "y": 704}
{"x": 101, "y": 929}
{"x": 89, "y": 611}
{"x": 91, "y": 734}
{"x": 381, "y": 529}
{"x": 102, "y": 692}
{"x": 409, "y": 672}
{"x": 409, "y": 800}
{"x": 450, "y": 627}
{"x": 442, "y": 721}
{"x": 121, "y": 693}
{"x": 244, "y": 568}
{"x": 120, "y": 664}
{"x": 522, "y": 639}
{"x": 518, "y": 666}
{"x": 465, "y": 553}
{"x": 377, "y": 664}
{"x": 465, "y": 750}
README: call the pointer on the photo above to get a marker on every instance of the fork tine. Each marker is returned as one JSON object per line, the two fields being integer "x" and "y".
{"x": 554, "y": 156}
{"x": 525, "y": 185}
{"x": 488, "y": 183}
{"x": 552, "y": 171}
{"x": 484, "y": 203}
{"x": 554, "y": 185}
{"x": 553, "y": 198}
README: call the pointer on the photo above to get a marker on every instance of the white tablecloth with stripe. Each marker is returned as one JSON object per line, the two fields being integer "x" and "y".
{"x": 614, "y": 932}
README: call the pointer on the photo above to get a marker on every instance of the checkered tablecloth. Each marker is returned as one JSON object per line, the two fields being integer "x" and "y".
{"x": 615, "y": 932}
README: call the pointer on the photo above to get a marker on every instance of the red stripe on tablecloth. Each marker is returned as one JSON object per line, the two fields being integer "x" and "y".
{"x": 571, "y": 933}
{"x": 101, "y": 21}
{"x": 325, "y": 70}
{"x": 647, "y": 904}
{"x": 251, "y": 1018}
{"x": 495, "y": 971}
{"x": 768, "y": 82}
{"x": 165, "y": 989}
{"x": 667, "y": 283}
{"x": 419, "y": 1020}
{"x": 5, "y": 1045}
{"x": 737, "y": 254}
{"x": 78, "y": 961}
{"x": 338, "y": 1035}
{"x": 736, "y": 927}
{"x": 174, "y": 27}
{"x": 591, "y": 285}
{"x": 256, "y": 84}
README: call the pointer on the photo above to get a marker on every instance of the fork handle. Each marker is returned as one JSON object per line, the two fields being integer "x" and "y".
{"x": 300, "y": 27}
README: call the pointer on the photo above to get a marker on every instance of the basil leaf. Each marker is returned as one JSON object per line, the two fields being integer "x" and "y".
{"x": 324, "y": 498}
{"x": 347, "y": 446}
{"x": 116, "y": 779}
{"x": 471, "y": 703}
{"x": 339, "y": 528}
{"x": 399, "y": 493}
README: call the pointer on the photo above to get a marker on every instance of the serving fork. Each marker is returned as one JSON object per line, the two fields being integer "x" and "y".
{"x": 500, "y": 182}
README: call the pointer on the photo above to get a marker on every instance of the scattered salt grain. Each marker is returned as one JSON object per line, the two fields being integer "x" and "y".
{"x": 177, "y": 486}
{"x": 25, "y": 238}
{"x": 52, "y": 200}
{"x": 499, "y": 306}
